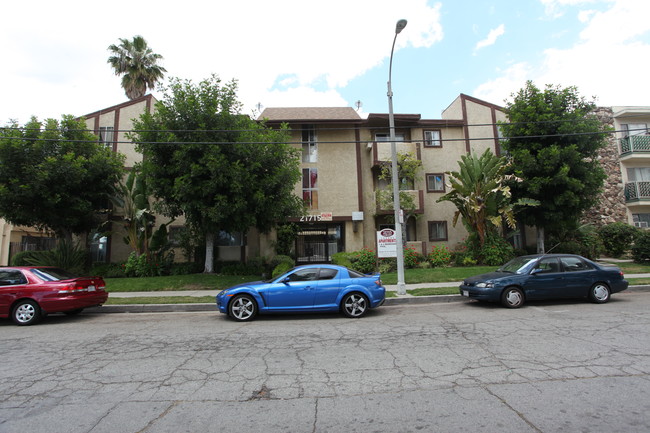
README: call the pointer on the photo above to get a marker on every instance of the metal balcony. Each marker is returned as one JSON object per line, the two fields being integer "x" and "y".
{"x": 637, "y": 191}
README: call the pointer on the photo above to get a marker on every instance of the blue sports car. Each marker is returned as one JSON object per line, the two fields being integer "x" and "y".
{"x": 309, "y": 288}
{"x": 545, "y": 276}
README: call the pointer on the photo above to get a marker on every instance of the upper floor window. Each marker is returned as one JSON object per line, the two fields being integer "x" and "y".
{"x": 432, "y": 138}
{"x": 310, "y": 187}
{"x": 106, "y": 136}
{"x": 435, "y": 182}
{"x": 309, "y": 144}
{"x": 634, "y": 129}
{"x": 386, "y": 137}
{"x": 641, "y": 220}
{"x": 638, "y": 174}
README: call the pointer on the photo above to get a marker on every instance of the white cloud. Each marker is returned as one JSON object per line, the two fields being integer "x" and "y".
{"x": 491, "y": 37}
{"x": 58, "y": 55}
{"x": 500, "y": 89}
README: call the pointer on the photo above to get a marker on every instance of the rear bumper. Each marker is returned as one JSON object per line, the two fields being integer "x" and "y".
{"x": 60, "y": 304}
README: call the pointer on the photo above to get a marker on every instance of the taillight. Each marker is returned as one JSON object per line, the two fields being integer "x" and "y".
{"x": 72, "y": 288}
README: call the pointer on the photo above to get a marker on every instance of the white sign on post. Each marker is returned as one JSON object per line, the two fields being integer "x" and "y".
{"x": 386, "y": 243}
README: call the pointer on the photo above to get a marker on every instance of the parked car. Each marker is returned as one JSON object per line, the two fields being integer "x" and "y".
{"x": 545, "y": 276}
{"x": 309, "y": 288}
{"x": 29, "y": 293}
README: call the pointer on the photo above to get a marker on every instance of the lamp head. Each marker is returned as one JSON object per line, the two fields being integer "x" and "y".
{"x": 400, "y": 26}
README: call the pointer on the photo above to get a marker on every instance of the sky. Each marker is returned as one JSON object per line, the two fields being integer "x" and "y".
{"x": 306, "y": 53}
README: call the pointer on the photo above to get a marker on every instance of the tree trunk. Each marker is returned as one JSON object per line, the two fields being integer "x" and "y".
{"x": 209, "y": 253}
{"x": 540, "y": 240}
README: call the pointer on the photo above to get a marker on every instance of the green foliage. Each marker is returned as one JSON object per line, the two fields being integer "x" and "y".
{"x": 286, "y": 238}
{"x": 641, "y": 247}
{"x": 480, "y": 194}
{"x": 552, "y": 139}
{"x": 281, "y": 269}
{"x": 185, "y": 268}
{"x": 495, "y": 251}
{"x": 65, "y": 255}
{"x": 139, "y": 266}
{"x": 107, "y": 270}
{"x": 364, "y": 261}
{"x": 230, "y": 172}
{"x": 439, "y": 256}
{"x": 617, "y": 238}
{"x": 584, "y": 241}
{"x": 408, "y": 169}
{"x": 342, "y": 259}
{"x": 137, "y": 63}
{"x": 280, "y": 262}
{"x": 55, "y": 176}
{"x": 412, "y": 258}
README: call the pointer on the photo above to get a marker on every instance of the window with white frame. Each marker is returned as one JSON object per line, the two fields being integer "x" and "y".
{"x": 634, "y": 129}
{"x": 437, "y": 230}
{"x": 435, "y": 182}
{"x": 309, "y": 144}
{"x": 641, "y": 220}
{"x": 432, "y": 138}
{"x": 106, "y": 136}
{"x": 638, "y": 174}
{"x": 310, "y": 187}
{"x": 381, "y": 136}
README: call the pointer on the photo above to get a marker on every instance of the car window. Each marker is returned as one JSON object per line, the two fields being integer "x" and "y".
{"x": 52, "y": 274}
{"x": 327, "y": 274}
{"x": 549, "y": 264}
{"x": 309, "y": 274}
{"x": 355, "y": 274}
{"x": 574, "y": 264}
{"x": 11, "y": 277}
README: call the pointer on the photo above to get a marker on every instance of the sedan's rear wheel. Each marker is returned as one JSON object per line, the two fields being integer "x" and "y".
{"x": 512, "y": 297}
{"x": 26, "y": 312}
{"x": 354, "y": 305}
{"x": 599, "y": 293}
{"x": 242, "y": 308}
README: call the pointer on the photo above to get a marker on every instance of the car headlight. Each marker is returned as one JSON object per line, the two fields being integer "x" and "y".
{"x": 485, "y": 285}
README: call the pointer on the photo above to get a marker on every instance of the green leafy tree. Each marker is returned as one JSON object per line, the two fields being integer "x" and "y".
{"x": 137, "y": 64}
{"x": 55, "y": 176}
{"x": 481, "y": 196}
{"x": 217, "y": 167}
{"x": 553, "y": 138}
{"x": 408, "y": 169}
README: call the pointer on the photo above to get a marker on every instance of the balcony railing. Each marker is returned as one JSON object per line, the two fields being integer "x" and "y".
{"x": 635, "y": 191}
{"x": 381, "y": 150}
{"x": 635, "y": 143}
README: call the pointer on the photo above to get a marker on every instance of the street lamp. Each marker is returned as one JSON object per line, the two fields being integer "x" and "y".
{"x": 401, "y": 285}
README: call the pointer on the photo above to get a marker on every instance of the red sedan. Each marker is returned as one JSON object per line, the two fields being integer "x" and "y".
{"x": 29, "y": 293}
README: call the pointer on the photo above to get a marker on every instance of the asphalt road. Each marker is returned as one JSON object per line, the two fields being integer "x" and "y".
{"x": 452, "y": 367}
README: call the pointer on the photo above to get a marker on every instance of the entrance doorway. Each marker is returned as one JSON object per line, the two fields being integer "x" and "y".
{"x": 316, "y": 243}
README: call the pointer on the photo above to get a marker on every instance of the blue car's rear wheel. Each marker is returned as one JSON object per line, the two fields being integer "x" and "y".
{"x": 242, "y": 308}
{"x": 354, "y": 305}
{"x": 512, "y": 297}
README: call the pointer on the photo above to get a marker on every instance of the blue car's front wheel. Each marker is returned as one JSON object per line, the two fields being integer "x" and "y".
{"x": 242, "y": 308}
{"x": 354, "y": 305}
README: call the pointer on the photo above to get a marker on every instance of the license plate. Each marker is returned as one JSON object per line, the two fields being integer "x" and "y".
{"x": 465, "y": 293}
{"x": 91, "y": 288}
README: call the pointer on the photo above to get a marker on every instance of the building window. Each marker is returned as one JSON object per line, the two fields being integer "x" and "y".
{"x": 106, "y": 136}
{"x": 399, "y": 138}
{"x": 309, "y": 144}
{"x": 98, "y": 248}
{"x": 437, "y": 230}
{"x": 641, "y": 220}
{"x": 435, "y": 182}
{"x": 225, "y": 239}
{"x": 432, "y": 138}
{"x": 310, "y": 187}
{"x": 638, "y": 174}
{"x": 634, "y": 129}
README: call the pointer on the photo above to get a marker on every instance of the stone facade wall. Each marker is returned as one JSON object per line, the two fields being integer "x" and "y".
{"x": 611, "y": 207}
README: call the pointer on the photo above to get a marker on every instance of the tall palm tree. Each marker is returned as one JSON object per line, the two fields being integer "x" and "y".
{"x": 479, "y": 192}
{"x": 137, "y": 64}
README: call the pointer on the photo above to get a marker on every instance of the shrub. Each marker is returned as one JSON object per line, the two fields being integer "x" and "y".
{"x": 342, "y": 259}
{"x": 641, "y": 247}
{"x": 364, "y": 261}
{"x": 439, "y": 256}
{"x": 387, "y": 265}
{"x": 107, "y": 270}
{"x": 411, "y": 258}
{"x": 617, "y": 238}
{"x": 65, "y": 255}
{"x": 281, "y": 268}
{"x": 495, "y": 251}
{"x": 275, "y": 261}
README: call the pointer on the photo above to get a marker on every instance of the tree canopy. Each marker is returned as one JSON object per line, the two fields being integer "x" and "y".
{"x": 137, "y": 64}
{"x": 217, "y": 167}
{"x": 552, "y": 138}
{"x": 55, "y": 175}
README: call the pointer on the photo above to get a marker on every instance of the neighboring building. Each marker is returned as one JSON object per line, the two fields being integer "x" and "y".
{"x": 633, "y": 140}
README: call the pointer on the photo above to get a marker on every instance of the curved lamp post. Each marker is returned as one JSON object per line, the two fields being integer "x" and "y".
{"x": 401, "y": 286}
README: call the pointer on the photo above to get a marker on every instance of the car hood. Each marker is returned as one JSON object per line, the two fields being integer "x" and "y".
{"x": 487, "y": 277}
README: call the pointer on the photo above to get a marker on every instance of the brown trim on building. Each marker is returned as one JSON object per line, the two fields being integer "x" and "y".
{"x": 495, "y": 132}
{"x": 357, "y": 138}
{"x": 463, "y": 105}
{"x": 116, "y": 128}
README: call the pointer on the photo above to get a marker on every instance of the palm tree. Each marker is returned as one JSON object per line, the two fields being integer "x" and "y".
{"x": 136, "y": 62}
{"x": 479, "y": 192}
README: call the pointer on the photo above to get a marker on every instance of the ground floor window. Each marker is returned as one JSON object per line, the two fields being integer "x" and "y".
{"x": 641, "y": 219}
{"x": 437, "y": 230}
{"x": 98, "y": 248}
{"x": 316, "y": 243}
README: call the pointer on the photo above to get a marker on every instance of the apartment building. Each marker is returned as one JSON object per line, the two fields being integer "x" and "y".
{"x": 633, "y": 140}
{"x": 342, "y": 158}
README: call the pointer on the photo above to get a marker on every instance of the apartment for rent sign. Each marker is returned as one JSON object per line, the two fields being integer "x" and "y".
{"x": 386, "y": 243}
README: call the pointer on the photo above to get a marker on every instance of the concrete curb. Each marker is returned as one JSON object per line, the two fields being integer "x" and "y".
{"x": 175, "y": 308}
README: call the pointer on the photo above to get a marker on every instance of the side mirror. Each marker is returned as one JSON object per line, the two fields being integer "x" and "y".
{"x": 536, "y": 271}
{"x": 286, "y": 280}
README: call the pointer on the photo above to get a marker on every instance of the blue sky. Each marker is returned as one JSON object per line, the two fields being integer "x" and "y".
{"x": 314, "y": 53}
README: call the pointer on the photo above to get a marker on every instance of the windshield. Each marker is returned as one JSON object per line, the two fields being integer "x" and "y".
{"x": 518, "y": 265}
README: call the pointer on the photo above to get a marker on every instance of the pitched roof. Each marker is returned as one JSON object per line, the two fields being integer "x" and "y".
{"x": 293, "y": 114}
